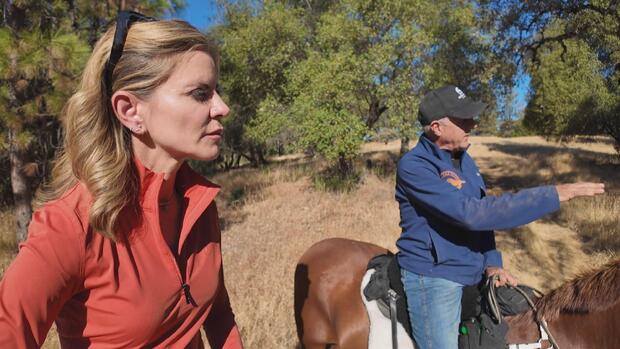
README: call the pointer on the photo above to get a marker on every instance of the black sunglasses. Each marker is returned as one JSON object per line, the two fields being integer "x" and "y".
{"x": 123, "y": 22}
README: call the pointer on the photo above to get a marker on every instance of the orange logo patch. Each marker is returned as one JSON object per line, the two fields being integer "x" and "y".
{"x": 452, "y": 178}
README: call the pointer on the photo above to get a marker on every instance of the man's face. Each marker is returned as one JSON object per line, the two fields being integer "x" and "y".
{"x": 453, "y": 133}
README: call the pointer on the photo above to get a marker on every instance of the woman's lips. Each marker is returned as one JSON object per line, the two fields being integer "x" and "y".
{"x": 217, "y": 134}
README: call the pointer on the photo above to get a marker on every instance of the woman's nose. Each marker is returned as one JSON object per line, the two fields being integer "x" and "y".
{"x": 219, "y": 109}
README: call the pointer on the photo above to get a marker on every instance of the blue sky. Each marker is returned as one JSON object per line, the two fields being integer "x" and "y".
{"x": 200, "y": 13}
{"x": 522, "y": 87}
{"x": 204, "y": 13}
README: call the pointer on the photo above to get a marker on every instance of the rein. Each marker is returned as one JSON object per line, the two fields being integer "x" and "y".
{"x": 545, "y": 334}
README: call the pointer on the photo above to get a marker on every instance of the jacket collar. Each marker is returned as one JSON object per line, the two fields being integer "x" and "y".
{"x": 433, "y": 149}
{"x": 189, "y": 183}
{"x": 439, "y": 153}
{"x": 197, "y": 193}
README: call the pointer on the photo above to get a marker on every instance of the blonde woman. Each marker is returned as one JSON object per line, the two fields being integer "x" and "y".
{"x": 124, "y": 250}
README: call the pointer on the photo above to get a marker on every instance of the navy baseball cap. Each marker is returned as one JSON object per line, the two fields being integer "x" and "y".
{"x": 448, "y": 101}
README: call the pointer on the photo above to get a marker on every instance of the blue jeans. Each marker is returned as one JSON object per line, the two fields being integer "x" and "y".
{"x": 434, "y": 306}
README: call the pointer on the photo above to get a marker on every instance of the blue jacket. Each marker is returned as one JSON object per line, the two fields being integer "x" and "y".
{"x": 447, "y": 221}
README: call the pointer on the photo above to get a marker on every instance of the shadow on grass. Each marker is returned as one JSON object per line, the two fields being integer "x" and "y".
{"x": 380, "y": 163}
{"x": 583, "y": 163}
{"x": 595, "y": 219}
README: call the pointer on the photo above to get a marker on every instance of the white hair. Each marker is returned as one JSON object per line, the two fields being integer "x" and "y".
{"x": 428, "y": 131}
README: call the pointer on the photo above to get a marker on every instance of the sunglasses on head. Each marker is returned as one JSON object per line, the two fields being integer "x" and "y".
{"x": 124, "y": 20}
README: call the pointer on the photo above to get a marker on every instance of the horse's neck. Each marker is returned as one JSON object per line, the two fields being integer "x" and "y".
{"x": 595, "y": 329}
{"x": 522, "y": 329}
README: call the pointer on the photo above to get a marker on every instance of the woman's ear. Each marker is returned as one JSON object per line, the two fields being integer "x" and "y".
{"x": 125, "y": 107}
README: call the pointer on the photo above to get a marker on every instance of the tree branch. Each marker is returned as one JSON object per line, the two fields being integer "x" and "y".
{"x": 537, "y": 44}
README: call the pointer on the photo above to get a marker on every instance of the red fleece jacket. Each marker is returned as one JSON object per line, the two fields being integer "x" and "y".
{"x": 106, "y": 294}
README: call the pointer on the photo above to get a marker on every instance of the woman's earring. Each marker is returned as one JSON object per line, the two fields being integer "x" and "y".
{"x": 135, "y": 129}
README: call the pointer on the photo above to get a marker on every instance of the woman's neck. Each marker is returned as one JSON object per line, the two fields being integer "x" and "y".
{"x": 158, "y": 161}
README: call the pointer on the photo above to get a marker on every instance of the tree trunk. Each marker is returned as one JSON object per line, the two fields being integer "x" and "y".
{"x": 20, "y": 182}
{"x": 262, "y": 160}
{"x": 345, "y": 166}
{"x": 404, "y": 145}
{"x": 375, "y": 109}
{"x": 22, "y": 193}
{"x": 257, "y": 156}
{"x": 252, "y": 158}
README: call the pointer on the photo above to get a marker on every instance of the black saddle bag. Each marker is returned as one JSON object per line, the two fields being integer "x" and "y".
{"x": 478, "y": 328}
{"x": 386, "y": 277}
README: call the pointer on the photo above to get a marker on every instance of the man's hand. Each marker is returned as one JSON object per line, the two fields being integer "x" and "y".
{"x": 573, "y": 190}
{"x": 504, "y": 277}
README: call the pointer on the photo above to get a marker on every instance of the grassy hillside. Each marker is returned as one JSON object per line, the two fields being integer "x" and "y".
{"x": 271, "y": 216}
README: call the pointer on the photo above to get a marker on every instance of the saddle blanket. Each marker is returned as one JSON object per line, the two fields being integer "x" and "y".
{"x": 380, "y": 333}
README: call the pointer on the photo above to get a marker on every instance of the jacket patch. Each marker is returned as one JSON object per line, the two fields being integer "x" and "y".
{"x": 452, "y": 178}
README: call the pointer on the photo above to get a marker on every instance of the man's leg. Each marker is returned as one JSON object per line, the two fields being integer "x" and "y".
{"x": 434, "y": 306}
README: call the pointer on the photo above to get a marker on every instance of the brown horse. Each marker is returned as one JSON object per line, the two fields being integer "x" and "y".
{"x": 329, "y": 313}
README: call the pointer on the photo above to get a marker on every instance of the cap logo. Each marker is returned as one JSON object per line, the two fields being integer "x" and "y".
{"x": 460, "y": 93}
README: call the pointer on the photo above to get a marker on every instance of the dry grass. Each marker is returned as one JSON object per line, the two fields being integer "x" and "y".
{"x": 269, "y": 235}
{"x": 271, "y": 216}
{"x": 8, "y": 245}
{"x": 596, "y": 220}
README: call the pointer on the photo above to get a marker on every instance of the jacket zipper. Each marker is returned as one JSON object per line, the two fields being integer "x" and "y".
{"x": 188, "y": 296}
{"x": 185, "y": 288}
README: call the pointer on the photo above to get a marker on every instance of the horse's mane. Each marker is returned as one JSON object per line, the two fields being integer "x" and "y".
{"x": 592, "y": 291}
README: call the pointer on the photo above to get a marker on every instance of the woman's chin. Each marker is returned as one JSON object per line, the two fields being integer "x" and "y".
{"x": 207, "y": 156}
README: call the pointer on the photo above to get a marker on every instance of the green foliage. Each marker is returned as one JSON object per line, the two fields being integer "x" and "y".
{"x": 44, "y": 56}
{"x": 272, "y": 126}
{"x": 514, "y": 128}
{"x": 44, "y": 45}
{"x": 317, "y": 75}
{"x": 487, "y": 123}
{"x": 335, "y": 135}
{"x": 574, "y": 58}
{"x": 323, "y": 107}
{"x": 257, "y": 52}
{"x": 571, "y": 94}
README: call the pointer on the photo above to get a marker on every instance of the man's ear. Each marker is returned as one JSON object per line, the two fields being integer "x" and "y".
{"x": 436, "y": 128}
{"x": 125, "y": 106}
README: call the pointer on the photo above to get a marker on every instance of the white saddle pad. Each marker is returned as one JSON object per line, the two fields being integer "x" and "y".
{"x": 380, "y": 334}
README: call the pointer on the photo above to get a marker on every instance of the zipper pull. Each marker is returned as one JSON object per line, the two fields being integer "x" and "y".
{"x": 188, "y": 296}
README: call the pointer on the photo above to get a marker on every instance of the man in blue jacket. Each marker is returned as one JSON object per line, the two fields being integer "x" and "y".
{"x": 447, "y": 221}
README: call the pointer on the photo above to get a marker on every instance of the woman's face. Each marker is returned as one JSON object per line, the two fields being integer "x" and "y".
{"x": 182, "y": 116}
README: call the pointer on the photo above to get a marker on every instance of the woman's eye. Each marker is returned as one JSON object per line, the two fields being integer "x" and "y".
{"x": 201, "y": 95}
